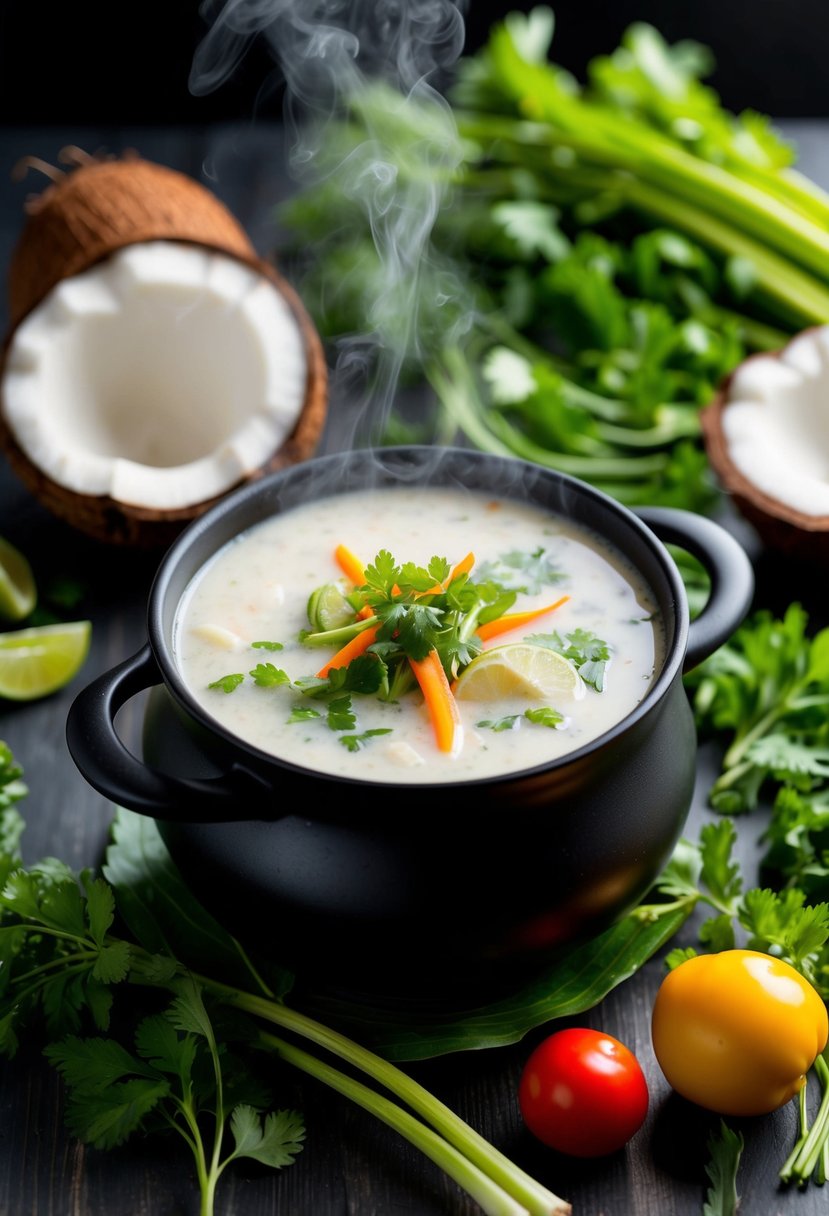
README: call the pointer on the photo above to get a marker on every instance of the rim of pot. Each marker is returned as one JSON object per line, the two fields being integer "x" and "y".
{"x": 327, "y": 471}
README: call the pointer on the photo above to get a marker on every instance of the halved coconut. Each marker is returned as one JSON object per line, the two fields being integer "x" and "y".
{"x": 767, "y": 438}
{"x": 154, "y": 360}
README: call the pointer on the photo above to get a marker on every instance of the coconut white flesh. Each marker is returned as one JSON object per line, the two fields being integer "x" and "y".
{"x": 776, "y": 424}
{"x": 160, "y": 377}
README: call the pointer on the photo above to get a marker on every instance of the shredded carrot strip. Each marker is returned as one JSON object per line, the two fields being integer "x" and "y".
{"x": 443, "y": 709}
{"x": 357, "y": 646}
{"x": 463, "y": 567}
{"x": 514, "y": 620}
{"x": 350, "y": 565}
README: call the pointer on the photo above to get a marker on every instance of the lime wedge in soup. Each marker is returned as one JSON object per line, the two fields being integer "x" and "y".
{"x": 18, "y": 594}
{"x": 36, "y": 662}
{"x": 519, "y": 669}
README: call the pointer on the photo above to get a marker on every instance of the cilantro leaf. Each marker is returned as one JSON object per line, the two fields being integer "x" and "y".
{"x": 414, "y": 626}
{"x": 303, "y": 713}
{"x": 522, "y": 571}
{"x": 166, "y": 1050}
{"x": 108, "y": 1118}
{"x": 508, "y": 722}
{"x": 544, "y": 715}
{"x": 365, "y": 674}
{"x": 267, "y": 646}
{"x": 228, "y": 683}
{"x": 100, "y": 908}
{"x": 725, "y": 1148}
{"x": 113, "y": 963}
{"x": 265, "y": 675}
{"x": 92, "y": 1065}
{"x": 340, "y": 714}
{"x": 275, "y": 1143}
{"x": 355, "y": 743}
{"x": 383, "y": 573}
{"x": 720, "y": 874}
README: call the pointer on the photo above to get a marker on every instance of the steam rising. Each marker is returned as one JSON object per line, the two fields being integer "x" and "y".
{"x": 330, "y": 52}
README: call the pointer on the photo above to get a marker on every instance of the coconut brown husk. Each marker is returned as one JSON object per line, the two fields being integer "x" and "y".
{"x": 87, "y": 215}
{"x": 778, "y": 524}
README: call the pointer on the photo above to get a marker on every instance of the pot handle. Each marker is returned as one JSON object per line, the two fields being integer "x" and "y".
{"x": 725, "y": 560}
{"x": 113, "y": 771}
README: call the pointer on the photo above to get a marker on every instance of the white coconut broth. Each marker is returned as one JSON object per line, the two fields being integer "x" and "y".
{"x": 256, "y": 589}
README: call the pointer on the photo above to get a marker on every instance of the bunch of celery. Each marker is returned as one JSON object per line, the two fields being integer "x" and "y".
{"x": 574, "y": 267}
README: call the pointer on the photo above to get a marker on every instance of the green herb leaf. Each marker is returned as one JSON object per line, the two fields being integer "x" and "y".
{"x": 355, "y": 743}
{"x": 522, "y": 571}
{"x": 725, "y": 1148}
{"x": 276, "y": 1143}
{"x": 340, "y": 715}
{"x": 544, "y": 715}
{"x": 303, "y": 713}
{"x": 265, "y": 675}
{"x": 228, "y": 683}
{"x": 267, "y": 645}
{"x": 508, "y": 722}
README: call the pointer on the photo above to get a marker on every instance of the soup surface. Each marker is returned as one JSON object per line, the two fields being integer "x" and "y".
{"x": 237, "y": 636}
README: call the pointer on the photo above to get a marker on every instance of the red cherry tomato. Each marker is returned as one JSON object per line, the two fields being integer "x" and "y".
{"x": 583, "y": 1092}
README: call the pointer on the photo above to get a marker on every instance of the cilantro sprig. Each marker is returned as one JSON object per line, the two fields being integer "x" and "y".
{"x": 725, "y": 1147}
{"x": 766, "y": 692}
{"x": 195, "y": 1065}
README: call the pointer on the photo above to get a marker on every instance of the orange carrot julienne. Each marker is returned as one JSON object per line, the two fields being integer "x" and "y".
{"x": 514, "y": 620}
{"x": 350, "y": 565}
{"x": 442, "y": 706}
{"x": 463, "y": 567}
{"x": 357, "y": 646}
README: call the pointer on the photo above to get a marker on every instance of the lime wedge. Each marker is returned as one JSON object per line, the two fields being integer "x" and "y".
{"x": 328, "y": 608}
{"x": 519, "y": 669}
{"x": 35, "y": 662}
{"x": 18, "y": 593}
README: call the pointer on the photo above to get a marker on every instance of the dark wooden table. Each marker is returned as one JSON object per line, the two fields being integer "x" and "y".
{"x": 351, "y": 1164}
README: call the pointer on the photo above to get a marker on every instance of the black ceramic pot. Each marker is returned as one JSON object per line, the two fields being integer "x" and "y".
{"x": 417, "y": 887}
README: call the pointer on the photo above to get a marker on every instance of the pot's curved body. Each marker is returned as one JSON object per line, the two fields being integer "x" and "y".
{"x": 417, "y": 887}
{"x": 400, "y": 895}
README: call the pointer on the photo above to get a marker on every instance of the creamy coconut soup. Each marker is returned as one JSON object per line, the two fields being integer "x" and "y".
{"x": 261, "y": 624}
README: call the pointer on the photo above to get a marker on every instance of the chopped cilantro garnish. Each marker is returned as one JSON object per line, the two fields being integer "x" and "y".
{"x": 228, "y": 683}
{"x": 303, "y": 713}
{"x": 355, "y": 743}
{"x": 265, "y": 675}
{"x": 520, "y": 571}
{"x": 340, "y": 714}
{"x": 509, "y": 722}
{"x": 545, "y": 715}
{"x": 267, "y": 645}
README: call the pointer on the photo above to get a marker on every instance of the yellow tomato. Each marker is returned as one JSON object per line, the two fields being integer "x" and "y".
{"x": 736, "y": 1032}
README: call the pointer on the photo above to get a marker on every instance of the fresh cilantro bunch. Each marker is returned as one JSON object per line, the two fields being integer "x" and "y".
{"x": 183, "y": 1021}
{"x": 780, "y": 922}
{"x": 766, "y": 692}
{"x": 61, "y": 966}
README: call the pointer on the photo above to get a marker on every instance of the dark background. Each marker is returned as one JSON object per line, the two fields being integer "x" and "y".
{"x": 129, "y": 63}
